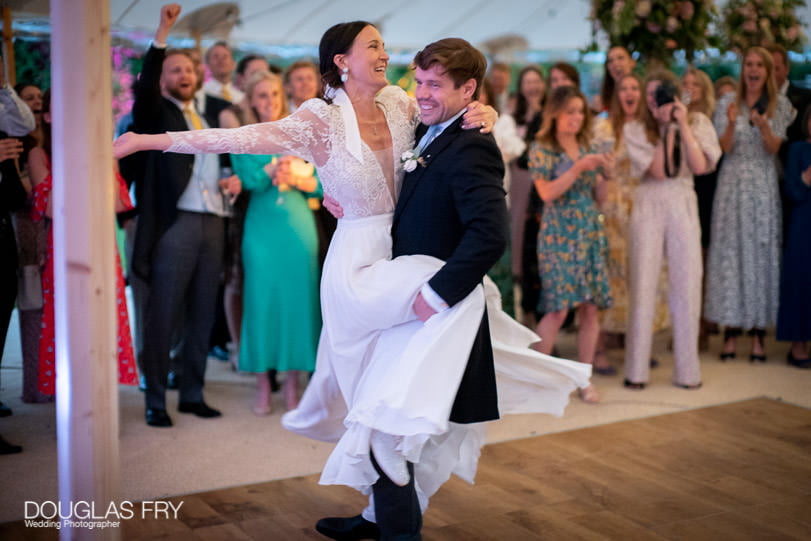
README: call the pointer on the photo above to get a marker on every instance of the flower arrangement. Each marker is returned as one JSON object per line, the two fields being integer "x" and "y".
{"x": 655, "y": 28}
{"x": 747, "y": 23}
{"x": 410, "y": 160}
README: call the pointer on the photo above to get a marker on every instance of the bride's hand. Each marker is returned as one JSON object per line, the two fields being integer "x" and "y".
{"x": 479, "y": 116}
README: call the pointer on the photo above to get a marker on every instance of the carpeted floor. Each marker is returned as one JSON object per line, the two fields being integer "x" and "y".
{"x": 240, "y": 448}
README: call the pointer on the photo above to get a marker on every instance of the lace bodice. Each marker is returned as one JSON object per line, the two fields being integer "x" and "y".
{"x": 317, "y": 132}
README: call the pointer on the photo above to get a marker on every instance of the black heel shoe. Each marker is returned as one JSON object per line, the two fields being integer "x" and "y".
{"x": 634, "y": 386}
{"x": 757, "y": 336}
{"x": 727, "y": 356}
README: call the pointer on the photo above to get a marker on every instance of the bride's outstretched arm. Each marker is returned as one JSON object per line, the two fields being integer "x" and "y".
{"x": 299, "y": 134}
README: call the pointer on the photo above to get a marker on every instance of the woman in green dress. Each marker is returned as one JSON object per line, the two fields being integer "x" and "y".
{"x": 281, "y": 318}
{"x": 572, "y": 247}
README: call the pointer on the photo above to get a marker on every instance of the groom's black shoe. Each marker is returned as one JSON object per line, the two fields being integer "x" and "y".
{"x": 348, "y": 529}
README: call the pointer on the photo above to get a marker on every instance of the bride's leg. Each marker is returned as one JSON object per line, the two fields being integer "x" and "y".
{"x": 548, "y": 329}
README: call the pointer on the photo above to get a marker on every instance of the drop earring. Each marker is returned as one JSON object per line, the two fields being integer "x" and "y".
{"x": 344, "y": 74}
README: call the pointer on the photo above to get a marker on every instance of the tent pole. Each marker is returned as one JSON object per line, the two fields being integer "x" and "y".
{"x": 86, "y": 323}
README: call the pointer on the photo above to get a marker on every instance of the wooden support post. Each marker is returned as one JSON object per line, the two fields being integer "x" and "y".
{"x": 86, "y": 360}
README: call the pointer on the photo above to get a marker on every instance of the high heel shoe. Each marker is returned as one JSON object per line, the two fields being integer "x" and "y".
{"x": 393, "y": 464}
{"x": 755, "y": 357}
{"x": 633, "y": 386}
{"x": 727, "y": 356}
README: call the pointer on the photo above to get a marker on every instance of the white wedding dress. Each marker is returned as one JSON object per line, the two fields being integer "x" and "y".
{"x": 378, "y": 367}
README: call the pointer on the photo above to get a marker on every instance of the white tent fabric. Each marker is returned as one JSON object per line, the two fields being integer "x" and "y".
{"x": 405, "y": 24}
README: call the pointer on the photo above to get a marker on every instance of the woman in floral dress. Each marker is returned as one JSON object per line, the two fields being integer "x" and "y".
{"x": 743, "y": 266}
{"x": 572, "y": 248}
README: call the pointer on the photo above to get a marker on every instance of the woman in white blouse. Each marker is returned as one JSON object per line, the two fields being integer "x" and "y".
{"x": 667, "y": 147}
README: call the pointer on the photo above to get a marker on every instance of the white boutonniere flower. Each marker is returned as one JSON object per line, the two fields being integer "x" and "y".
{"x": 410, "y": 160}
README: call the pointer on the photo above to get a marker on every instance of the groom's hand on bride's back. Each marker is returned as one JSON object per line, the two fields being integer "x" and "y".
{"x": 333, "y": 207}
{"x": 422, "y": 308}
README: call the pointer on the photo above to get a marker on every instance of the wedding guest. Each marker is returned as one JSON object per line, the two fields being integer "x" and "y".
{"x": 527, "y": 116}
{"x": 32, "y": 243}
{"x": 725, "y": 85}
{"x": 743, "y": 266}
{"x": 281, "y": 317}
{"x": 563, "y": 74}
{"x": 301, "y": 83}
{"x": 618, "y": 63}
{"x": 499, "y": 78}
{"x": 794, "y": 313}
{"x": 667, "y": 147}
{"x": 572, "y": 248}
{"x": 39, "y": 165}
{"x": 16, "y": 120}
{"x": 627, "y": 106}
{"x": 698, "y": 86}
{"x": 220, "y": 62}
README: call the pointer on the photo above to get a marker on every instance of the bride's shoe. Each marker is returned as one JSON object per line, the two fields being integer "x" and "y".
{"x": 393, "y": 464}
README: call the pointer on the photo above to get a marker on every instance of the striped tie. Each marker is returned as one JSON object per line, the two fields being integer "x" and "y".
{"x": 192, "y": 116}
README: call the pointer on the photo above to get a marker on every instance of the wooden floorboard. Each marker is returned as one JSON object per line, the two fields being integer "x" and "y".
{"x": 733, "y": 472}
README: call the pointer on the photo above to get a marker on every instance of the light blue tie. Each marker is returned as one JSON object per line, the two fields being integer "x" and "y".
{"x": 429, "y": 136}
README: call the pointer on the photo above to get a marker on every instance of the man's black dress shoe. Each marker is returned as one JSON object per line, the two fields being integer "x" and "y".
{"x": 7, "y": 448}
{"x": 5, "y": 411}
{"x": 799, "y": 363}
{"x": 200, "y": 409}
{"x": 172, "y": 380}
{"x": 348, "y": 529}
{"x": 157, "y": 417}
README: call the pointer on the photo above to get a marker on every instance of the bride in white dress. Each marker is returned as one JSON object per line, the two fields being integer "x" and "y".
{"x": 374, "y": 369}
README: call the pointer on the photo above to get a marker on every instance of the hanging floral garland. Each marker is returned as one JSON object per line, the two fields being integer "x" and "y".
{"x": 746, "y": 23}
{"x": 655, "y": 28}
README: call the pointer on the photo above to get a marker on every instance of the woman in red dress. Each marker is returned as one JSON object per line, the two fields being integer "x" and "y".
{"x": 39, "y": 164}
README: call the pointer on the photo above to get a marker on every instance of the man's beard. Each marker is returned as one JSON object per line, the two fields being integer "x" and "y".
{"x": 177, "y": 94}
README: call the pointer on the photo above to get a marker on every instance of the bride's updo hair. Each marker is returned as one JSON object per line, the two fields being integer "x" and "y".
{"x": 337, "y": 40}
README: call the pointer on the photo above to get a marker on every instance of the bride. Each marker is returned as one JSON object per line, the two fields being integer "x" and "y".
{"x": 374, "y": 354}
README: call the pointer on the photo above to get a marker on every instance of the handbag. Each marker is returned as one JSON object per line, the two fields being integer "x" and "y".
{"x": 29, "y": 288}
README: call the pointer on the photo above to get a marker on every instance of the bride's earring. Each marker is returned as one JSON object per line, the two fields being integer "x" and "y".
{"x": 344, "y": 74}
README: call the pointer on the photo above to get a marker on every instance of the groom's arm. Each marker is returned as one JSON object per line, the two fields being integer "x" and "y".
{"x": 479, "y": 198}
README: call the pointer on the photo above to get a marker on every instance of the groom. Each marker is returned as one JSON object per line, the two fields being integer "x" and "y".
{"x": 451, "y": 207}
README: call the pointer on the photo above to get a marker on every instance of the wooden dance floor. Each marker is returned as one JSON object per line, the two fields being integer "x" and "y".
{"x": 730, "y": 472}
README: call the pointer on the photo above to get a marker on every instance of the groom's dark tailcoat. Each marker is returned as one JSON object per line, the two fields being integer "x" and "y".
{"x": 453, "y": 208}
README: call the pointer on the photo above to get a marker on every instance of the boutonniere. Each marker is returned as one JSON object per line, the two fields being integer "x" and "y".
{"x": 411, "y": 159}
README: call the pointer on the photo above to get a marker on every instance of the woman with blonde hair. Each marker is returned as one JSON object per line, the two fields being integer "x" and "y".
{"x": 743, "y": 267}
{"x": 281, "y": 318}
{"x": 667, "y": 146}
{"x": 700, "y": 92}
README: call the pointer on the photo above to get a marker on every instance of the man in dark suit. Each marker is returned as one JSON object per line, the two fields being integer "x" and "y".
{"x": 180, "y": 234}
{"x": 16, "y": 120}
{"x": 451, "y": 207}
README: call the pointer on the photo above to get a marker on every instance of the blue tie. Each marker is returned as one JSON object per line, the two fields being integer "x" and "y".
{"x": 429, "y": 136}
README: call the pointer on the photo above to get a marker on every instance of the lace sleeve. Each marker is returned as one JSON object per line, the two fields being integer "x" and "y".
{"x": 305, "y": 134}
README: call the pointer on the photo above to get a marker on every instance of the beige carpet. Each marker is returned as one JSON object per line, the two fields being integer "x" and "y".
{"x": 240, "y": 448}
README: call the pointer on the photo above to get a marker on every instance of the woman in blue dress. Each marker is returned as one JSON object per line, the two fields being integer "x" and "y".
{"x": 794, "y": 314}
